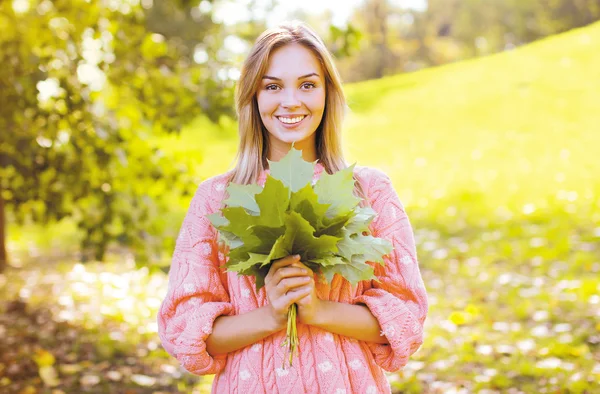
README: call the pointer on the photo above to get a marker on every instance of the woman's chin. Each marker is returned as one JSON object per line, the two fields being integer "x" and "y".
{"x": 289, "y": 136}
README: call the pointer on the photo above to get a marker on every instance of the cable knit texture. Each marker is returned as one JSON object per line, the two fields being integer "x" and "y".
{"x": 199, "y": 291}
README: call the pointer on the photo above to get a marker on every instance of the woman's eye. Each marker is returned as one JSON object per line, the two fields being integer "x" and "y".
{"x": 271, "y": 87}
{"x": 308, "y": 85}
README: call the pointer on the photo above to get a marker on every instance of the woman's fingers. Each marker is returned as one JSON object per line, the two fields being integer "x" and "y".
{"x": 286, "y": 269}
{"x": 282, "y": 262}
{"x": 299, "y": 264}
{"x": 285, "y": 261}
{"x": 296, "y": 295}
{"x": 288, "y": 272}
{"x": 287, "y": 284}
{"x": 282, "y": 299}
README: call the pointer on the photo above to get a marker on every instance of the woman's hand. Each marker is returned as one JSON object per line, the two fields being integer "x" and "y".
{"x": 310, "y": 305}
{"x": 287, "y": 282}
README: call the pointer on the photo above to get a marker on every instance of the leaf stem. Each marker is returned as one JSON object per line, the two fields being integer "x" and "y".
{"x": 291, "y": 338}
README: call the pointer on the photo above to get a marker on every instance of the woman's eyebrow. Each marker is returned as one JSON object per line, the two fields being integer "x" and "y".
{"x": 302, "y": 77}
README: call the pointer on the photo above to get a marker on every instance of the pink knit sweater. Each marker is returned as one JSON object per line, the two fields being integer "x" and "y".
{"x": 199, "y": 292}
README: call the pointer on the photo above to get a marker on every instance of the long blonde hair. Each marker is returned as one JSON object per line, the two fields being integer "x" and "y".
{"x": 254, "y": 141}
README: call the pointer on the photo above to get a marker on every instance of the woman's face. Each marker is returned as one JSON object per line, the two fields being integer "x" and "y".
{"x": 291, "y": 100}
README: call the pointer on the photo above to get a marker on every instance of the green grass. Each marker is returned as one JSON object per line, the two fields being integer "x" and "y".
{"x": 516, "y": 127}
{"x": 497, "y": 161}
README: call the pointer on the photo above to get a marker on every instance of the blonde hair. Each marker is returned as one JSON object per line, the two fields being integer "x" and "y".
{"x": 253, "y": 147}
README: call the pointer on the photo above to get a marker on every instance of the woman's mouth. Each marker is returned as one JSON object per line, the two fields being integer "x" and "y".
{"x": 291, "y": 121}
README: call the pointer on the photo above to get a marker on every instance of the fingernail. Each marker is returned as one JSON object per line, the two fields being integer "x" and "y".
{"x": 297, "y": 256}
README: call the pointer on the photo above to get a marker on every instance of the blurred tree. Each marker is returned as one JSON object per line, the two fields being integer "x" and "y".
{"x": 396, "y": 38}
{"x": 83, "y": 86}
{"x": 375, "y": 56}
{"x": 343, "y": 41}
{"x": 3, "y": 254}
{"x": 481, "y": 27}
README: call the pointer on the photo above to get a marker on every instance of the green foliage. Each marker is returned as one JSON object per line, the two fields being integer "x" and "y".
{"x": 244, "y": 196}
{"x": 87, "y": 84}
{"x": 295, "y": 218}
{"x": 344, "y": 42}
{"x": 292, "y": 171}
{"x": 306, "y": 202}
{"x": 335, "y": 190}
{"x": 273, "y": 202}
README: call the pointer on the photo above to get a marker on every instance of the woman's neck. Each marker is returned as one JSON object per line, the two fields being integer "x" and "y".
{"x": 279, "y": 149}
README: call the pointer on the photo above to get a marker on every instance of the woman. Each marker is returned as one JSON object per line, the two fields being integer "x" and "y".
{"x": 215, "y": 322}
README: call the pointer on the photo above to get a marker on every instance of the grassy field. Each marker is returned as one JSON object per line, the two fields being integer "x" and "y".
{"x": 497, "y": 161}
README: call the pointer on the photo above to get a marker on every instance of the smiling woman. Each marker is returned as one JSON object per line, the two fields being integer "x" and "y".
{"x": 289, "y": 74}
{"x": 216, "y": 322}
{"x": 291, "y": 100}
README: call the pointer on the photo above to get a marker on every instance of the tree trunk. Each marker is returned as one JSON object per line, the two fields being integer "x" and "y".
{"x": 379, "y": 28}
{"x": 3, "y": 256}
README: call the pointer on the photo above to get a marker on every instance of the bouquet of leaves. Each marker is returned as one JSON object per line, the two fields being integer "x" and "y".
{"x": 324, "y": 224}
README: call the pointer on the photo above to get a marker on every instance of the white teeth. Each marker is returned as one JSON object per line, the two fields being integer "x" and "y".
{"x": 291, "y": 120}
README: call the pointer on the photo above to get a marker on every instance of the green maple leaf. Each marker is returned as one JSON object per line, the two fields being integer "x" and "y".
{"x": 266, "y": 239}
{"x": 260, "y": 273}
{"x": 357, "y": 244}
{"x": 300, "y": 239}
{"x": 361, "y": 219}
{"x": 273, "y": 202}
{"x": 236, "y": 255}
{"x": 353, "y": 271}
{"x": 217, "y": 220}
{"x": 253, "y": 238}
{"x": 333, "y": 226}
{"x": 374, "y": 248}
{"x": 278, "y": 250}
{"x": 306, "y": 202}
{"x": 328, "y": 261}
{"x": 253, "y": 266}
{"x": 243, "y": 196}
{"x": 267, "y": 234}
{"x": 316, "y": 264}
{"x": 292, "y": 170}
{"x": 258, "y": 264}
{"x": 337, "y": 191}
{"x": 349, "y": 246}
{"x": 250, "y": 243}
{"x": 230, "y": 239}
{"x": 239, "y": 220}
{"x": 240, "y": 223}
{"x": 221, "y": 223}
{"x": 244, "y": 266}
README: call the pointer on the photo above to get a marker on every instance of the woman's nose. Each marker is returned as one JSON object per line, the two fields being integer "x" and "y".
{"x": 290, "y": 99}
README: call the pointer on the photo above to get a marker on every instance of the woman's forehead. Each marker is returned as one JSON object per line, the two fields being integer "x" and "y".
{"x": 293, "y": 60}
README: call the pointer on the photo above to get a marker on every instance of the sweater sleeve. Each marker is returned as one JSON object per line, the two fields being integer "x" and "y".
{"x": 399, "y": 300}
{"x": 197, "y": 292}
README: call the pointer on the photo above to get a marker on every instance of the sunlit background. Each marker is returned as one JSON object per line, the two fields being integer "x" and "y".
{"x": 485, "y": 114}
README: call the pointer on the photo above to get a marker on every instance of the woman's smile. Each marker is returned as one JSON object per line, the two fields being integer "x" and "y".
{"x": 291, "y": 121}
